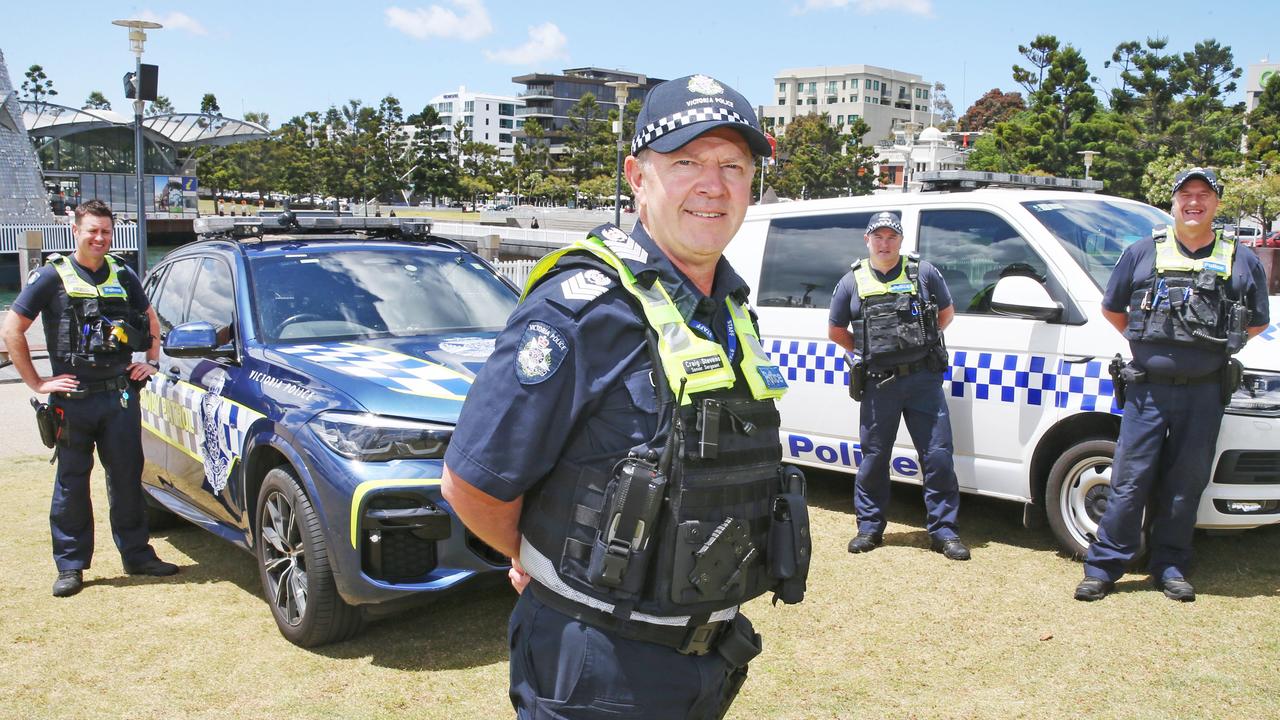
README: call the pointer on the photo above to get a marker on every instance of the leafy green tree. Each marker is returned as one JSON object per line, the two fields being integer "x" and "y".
{"x": 260, "y": 118}
{"x": 37, "y": 86}
{"x": 433, "y": 172}
{"x": 209, "y": 105}
{"x": 816, "y": 160}
{"x": 96, "y": 101}
{"x": 160, "y": 106}
{"x": 1250, "y": 195}
{"x": 590, "y": 143}
{"x": 942, "y": 106}
{"x": 1039, "y": 54}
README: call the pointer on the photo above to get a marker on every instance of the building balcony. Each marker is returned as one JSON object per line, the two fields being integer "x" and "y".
{"x": 527, "y": 112}
{"x": 536, "y": 91}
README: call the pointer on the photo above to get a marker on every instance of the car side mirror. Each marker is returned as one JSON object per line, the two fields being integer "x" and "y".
{"x": 1025, "y": 297}
{"x": 196, "y": 340}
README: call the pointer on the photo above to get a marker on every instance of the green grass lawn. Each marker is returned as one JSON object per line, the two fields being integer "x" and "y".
{"x": 897, "y": 633}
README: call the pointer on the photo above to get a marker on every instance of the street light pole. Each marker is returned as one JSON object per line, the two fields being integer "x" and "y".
{"x": 137, "y": 37}
{"x": 620, "y": 90}
{"x": 1088, "y": 160}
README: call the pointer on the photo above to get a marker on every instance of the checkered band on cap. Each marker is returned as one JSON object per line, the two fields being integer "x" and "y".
{"x": 662, "y": 126}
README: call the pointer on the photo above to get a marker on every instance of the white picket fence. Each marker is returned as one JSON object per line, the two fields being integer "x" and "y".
{"x": 57, "y": 237}
{"x": 517, "y": 271}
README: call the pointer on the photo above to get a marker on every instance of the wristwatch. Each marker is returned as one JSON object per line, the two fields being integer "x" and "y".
{"x": 155, "y": 364}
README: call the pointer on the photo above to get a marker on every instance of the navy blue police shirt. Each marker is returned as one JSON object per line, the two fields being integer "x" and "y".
{"x": 846, "y": 306}
{"x": 1136, "y": 271}
{"x": 575, "y": 350}
{"x": 45, "y": 296}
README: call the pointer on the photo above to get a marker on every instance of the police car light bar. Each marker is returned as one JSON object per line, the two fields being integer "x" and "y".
{"x": 972, "y": 179}
{"x": 240, "y": 227}
{"x": 407, "y": 226}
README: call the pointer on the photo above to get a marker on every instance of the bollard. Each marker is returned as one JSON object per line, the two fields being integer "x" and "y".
{"x": 29, "y": 257}
{"x": 487, "y": 247}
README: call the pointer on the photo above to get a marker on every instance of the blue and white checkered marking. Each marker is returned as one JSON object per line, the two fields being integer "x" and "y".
{"x": 392, "y": 370}
{"x": 172, "y": 411}
{"x": 997, "y": 377}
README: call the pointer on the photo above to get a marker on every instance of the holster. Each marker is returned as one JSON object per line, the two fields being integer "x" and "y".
{"x": 739, "y": 645}
{"x": 790, "y": 545}
{"x": 857, "y": 377}
{"x": 50, "y": 421}
{"x": 1232, "y": 377}
{"x": 1118, "y": 384}
{"x": 937, "y": 359}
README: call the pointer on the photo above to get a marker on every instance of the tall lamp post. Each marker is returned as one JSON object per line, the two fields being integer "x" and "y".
{"x": 909, "y": 129}
{"x": 1088, "y": 160}
{"x": 620, "y": 91}
{"x": 137, "y": 37}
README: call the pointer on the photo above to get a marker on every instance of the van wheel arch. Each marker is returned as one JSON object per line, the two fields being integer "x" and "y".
{"x": 1066, "y": 433}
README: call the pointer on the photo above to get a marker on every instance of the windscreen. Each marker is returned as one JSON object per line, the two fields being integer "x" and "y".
{"x": 341, "y": 294}
{"x": 1095, "y": 230}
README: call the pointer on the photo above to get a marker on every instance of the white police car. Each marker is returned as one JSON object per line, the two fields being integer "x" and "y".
{"x": 1031, "y": 401}
{"x": 309, "y": 381}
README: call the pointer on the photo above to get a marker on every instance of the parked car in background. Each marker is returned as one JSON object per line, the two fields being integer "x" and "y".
{"x": 310, "y": 377}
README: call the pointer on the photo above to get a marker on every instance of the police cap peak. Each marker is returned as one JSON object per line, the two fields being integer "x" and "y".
{"x": 1198, "y": 173}
{"x": 678, "y": 111}
{"x": 884, "y": 219}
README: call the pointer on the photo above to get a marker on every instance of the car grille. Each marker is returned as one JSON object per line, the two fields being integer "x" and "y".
{"x": 1248, "y": 467}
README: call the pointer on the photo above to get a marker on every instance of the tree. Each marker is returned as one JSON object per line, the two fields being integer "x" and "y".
{"x": 96, "y": 101}
{"x": 37, "y": 86}
{"x": 159, "y": 106}
{"x": 993, "y": 107}
{"x": 1250, "y": 196}
{"x": 209, "y": 105}
{"x": 1040, "y": 54}
{"x": 260, "y": 118}
{"x": 1264, "y": 127}
{"x": 815, "y": 160}
{"x": 590, "y": 142}
{"x": 942, "y": 106}
{"x": 433, "y": 174}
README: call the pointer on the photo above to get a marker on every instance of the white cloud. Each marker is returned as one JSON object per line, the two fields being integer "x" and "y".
{"x": 546, "y": 42}
{"x": 923, "y": 8}
{"x": 441, "y": 22}
{"x": 175, "y": 21}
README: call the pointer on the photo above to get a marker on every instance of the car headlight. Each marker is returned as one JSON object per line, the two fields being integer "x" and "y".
{"x": 372, "y": 438}
{"x": 1259, "y": 394}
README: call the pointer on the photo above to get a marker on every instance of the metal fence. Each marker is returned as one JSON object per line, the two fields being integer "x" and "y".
{"x": 57, "y": 237}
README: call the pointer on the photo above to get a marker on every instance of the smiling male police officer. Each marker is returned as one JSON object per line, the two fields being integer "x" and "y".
{"x": 1187, "y": 301}
{"x": 899, "y": 307}
{"x": 95, "y": 316}
{"x": 622, "y": 441}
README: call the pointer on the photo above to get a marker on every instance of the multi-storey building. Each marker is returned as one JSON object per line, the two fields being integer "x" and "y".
{"x": 880, "y": 97}
{"x": 487, "y": 117}
{"x": 547, "y": 97}
{"x": 1256, "y": 80}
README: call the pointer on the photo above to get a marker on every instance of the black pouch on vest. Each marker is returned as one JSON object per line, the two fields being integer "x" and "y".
{"x": 857, "y": 376}
{"x": 624, "y": 544}
{"x": 790, "y": 545}
{"x": 937, "y": 360}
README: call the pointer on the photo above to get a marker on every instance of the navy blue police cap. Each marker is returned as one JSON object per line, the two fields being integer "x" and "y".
{"x": 882, "y": 220}
{"x": 678, "y": 111}
{"x": 1198, "y": 173}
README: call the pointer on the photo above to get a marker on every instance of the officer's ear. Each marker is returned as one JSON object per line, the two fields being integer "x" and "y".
{"x": 635, "y": 169}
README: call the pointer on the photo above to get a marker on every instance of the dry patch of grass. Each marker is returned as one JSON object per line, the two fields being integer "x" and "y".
{"x": 897, "y": 633}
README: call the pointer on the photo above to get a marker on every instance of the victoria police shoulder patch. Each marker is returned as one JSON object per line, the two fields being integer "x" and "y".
{"x": 542, "y": 349}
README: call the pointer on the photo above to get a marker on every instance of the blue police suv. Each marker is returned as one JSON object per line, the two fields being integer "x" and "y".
{"x": 311, "y": 374}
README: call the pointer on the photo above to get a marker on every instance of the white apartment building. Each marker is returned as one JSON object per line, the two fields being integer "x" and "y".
{"x": 881, "y": 97}
{"x": 488, "y": 117}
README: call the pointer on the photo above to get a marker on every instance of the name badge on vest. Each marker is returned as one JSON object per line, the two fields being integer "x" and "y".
{"x": 1215, "y": 266}
{"x": 703, "y": 364}
{"x": 112, "y": 291}
{"x": 772, "y": 377}
{"x": 900, "y": 287}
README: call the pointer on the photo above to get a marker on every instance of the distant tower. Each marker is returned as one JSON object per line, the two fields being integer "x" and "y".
{"x": 22, "y": 194}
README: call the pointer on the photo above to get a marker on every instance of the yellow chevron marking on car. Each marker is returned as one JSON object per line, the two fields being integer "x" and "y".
{"x": 357, "y": 497}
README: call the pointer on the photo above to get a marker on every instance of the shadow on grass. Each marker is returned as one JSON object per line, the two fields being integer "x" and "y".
{"x": 462, "y": 628}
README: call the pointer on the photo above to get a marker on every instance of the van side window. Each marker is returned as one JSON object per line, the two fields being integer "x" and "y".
{"x": 972, "y": 248}
{"x": 804, "y": 258}
{"x": 214, "y": 298}
{"x": 172, "y": 306}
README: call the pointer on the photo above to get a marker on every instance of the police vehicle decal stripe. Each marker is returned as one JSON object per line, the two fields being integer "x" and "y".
{"x": 401, "y": 373}
{"x": 171, "y": 410}
{"x": 997, "y": 377}
{"x": 363, "y": 489}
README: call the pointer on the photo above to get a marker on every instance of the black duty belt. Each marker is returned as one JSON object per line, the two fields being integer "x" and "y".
{"x": 686, "y": 639}
{"x": 1158, "y": 379}
{"x": 898, "y": 370}
{"x": 89, "y": 387}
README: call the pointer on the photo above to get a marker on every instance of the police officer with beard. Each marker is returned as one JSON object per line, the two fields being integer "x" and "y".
{"x": 95, "y": 317}
{"x": 621, "y": 443}
{"x": 898, "y": 307}
{"x": 1187, "y": 299}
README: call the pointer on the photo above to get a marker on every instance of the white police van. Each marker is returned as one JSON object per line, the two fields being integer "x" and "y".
{"x": 1031, "y": 402}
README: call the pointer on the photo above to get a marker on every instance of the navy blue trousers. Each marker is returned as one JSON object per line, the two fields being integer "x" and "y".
{"x": 1163, "y": 462}
{"x": 918, "y": 398}
{"x": 99, "y": 420}
{"x": 562, "y": 668}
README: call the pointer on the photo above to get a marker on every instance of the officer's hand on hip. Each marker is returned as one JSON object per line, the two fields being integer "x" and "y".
{"x": 58, "y": 383}
{"x": 141, "y": 370}
{"x": 519, "y": 578}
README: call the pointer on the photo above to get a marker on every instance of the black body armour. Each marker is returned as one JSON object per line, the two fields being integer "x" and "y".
{"x": 897, "y": 326}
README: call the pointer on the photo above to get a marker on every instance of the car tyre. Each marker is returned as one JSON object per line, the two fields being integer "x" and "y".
{"x": 293, "y": 562}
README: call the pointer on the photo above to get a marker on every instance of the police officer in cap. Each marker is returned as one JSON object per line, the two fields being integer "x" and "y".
{"x": 95, "y": 317}
{"x": 898, "y": 307}
{"x": 1186, "y": 299}
{"x": 621, "y": 443}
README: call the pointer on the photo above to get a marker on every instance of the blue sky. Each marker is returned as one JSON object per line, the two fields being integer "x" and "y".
{"x": 288, "y": 57}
